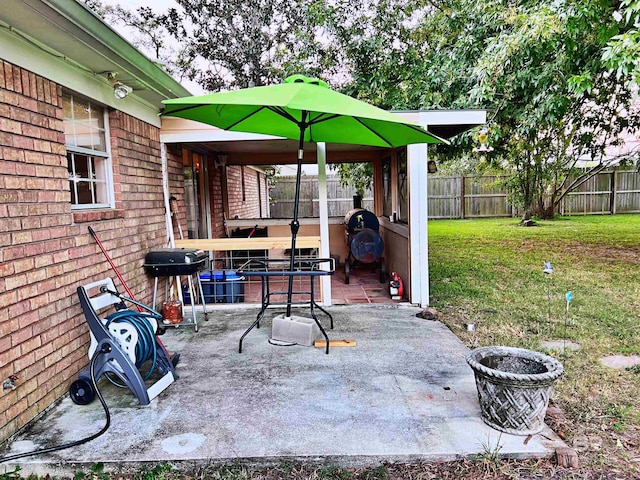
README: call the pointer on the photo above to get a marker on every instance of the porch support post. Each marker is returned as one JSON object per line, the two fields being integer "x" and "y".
{"x": 323, "y": 210}
{"x": 418, "y": 218}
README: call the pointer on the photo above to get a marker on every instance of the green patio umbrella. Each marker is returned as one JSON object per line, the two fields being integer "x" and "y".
{"x": 303, "y": 109}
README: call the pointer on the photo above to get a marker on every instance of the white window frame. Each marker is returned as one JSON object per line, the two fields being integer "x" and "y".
{"x": 106, "y": 155}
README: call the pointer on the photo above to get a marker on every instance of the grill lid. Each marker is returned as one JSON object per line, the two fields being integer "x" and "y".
{"x": 175, "y": 261}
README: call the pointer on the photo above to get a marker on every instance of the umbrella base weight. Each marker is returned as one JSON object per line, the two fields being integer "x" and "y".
{"x": 295, "y": 329}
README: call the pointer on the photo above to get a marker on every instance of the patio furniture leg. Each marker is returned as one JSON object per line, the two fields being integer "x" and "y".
{"x": 325, "y": 312}
{"x": 202, "y": 299}
{"x": 256, "y": 322}
{"x": 324, "y": 334}
{"x": 312, "y": 303}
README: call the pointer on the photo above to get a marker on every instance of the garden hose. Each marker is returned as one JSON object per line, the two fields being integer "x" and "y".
{"x": 106, "y": 348}
{"x": 145, "y": 348}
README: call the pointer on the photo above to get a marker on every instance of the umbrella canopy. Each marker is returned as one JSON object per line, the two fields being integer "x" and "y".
{"x": 302, "y": 109}
{"x": 301, "y": 104}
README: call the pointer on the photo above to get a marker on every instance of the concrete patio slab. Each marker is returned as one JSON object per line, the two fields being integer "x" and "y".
{"x": 403, "y": 394}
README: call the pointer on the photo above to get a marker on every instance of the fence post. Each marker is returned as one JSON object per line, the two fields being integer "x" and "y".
{"x": 462, "y": 193}
{"x": 613, "y": 200}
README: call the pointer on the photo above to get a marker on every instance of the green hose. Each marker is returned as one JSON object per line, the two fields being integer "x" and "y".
{"x": 146, "y": 348}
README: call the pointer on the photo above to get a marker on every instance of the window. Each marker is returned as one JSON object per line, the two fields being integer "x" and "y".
{"x": 88, "y": 160}
{"x": 403, "y": 206}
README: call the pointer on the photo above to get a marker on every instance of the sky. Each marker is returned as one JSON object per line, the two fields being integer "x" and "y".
{"x": 157, "y": 6}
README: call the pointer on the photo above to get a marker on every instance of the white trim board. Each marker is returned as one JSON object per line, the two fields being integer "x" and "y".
{"x": 21, "y": 53}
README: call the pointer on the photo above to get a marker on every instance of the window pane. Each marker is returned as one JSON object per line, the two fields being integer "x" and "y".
{"x": 85, "y": 196}
{"x": 72, "y": 187}
{"x": 80, "y": 110}
{"x": 84, "y": 124}
{"x": 66, "y": 107}
{"x": 82, "y": 166}
{"x": 83, "y": 136}
{"x": 100, "y": 177}
{"x": 102, "y": 194}
{"x": 99, "y": 140}
{"x": 97, "y": 117}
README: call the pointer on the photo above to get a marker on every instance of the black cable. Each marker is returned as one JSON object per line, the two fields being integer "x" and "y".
{"x": 106, "y": 348}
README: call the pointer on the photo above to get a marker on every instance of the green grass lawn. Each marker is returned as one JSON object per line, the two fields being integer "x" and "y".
{"x": 490, "y": 272}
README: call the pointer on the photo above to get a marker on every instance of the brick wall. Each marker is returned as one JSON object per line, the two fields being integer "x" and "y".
{"x": 217, "y": 203}
{"x": 249, "y": 205}
{"x": 46, "y": 251}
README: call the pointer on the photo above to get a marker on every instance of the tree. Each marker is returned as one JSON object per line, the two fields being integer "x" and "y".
{"x": 227, "y": 44}
{"x": 622, "y": 53}
{"x": 155, "y": 34}
{"x": 537, "y": 67}
{"x": 356, "y": 175}
{"x": 244, "y": 43}
{"x": 553, "y": 98}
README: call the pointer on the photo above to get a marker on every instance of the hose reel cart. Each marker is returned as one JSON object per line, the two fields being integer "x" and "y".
{"x": 363, "y": 241}
{"x": 125, "y": 341}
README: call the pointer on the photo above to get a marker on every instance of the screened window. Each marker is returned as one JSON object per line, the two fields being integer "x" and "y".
{"x": 88, "y": 159}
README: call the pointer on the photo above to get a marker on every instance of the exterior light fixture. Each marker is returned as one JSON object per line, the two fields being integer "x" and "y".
{"x": 120, "y": 90}
{"x": 483, "y": 136}
{"x": 432, "y": 167}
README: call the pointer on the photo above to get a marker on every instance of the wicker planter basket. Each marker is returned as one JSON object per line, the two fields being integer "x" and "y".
{"x": 514, "y": 386}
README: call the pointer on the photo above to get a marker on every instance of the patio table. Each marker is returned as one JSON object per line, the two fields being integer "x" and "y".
{"x": 268, "y": 269}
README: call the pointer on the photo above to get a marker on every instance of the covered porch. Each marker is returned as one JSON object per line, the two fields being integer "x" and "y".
{"x": 400, "y": 189}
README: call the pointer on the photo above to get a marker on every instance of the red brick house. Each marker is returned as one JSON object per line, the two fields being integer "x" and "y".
{"x": 72, "y": 155}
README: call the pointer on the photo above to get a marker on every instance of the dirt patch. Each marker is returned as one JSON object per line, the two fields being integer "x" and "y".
{"x": 618, "y": 254}
{"x": 608, "y": 253}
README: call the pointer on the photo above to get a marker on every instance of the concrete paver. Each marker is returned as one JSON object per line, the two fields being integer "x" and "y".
{"x": 404, "y": 393}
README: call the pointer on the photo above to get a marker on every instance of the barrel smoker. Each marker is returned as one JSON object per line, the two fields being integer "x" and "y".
{"x": 364, "y": 242}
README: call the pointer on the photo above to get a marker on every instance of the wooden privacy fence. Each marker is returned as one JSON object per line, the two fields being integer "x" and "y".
{"x": 339, "y": 199}
{"x": 610, "y": 192}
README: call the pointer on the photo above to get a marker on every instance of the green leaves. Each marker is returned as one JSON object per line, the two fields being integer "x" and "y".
{"x": 537, "y": 66}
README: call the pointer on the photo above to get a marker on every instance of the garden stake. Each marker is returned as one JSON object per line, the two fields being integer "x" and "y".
{"x": 569, "y": 297}
{"x": 548, "y": 270}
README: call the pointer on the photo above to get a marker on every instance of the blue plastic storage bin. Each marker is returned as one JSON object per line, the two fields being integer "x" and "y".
{"x": 233, "y": 287}
{"x": 222, "y": 286}
{"x": 213, "y": 286}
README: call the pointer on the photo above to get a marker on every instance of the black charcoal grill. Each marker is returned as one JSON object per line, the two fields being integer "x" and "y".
{"x": 172, "y": 262}
{"x": 168, "y": 262}
{"x": 363, "y": 241}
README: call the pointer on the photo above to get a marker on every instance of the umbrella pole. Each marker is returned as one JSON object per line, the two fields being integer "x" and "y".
{"x": 295, "y": 225}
